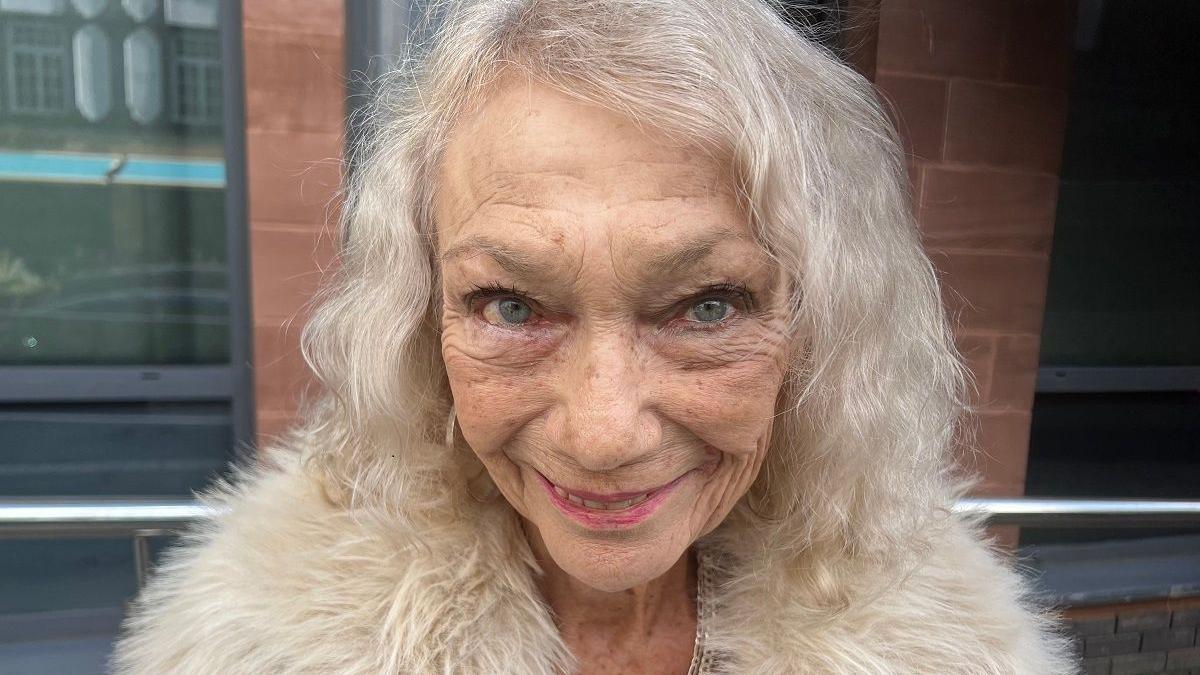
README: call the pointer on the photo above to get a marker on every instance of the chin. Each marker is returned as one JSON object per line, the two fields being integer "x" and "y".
{"x": 614, "y": 566}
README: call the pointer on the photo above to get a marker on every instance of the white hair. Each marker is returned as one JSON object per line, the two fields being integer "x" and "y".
{"x": 859, "y": 462}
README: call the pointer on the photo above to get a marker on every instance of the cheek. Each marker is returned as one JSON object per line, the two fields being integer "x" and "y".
{"x": 492, "y": 399}
{"x": 726, "y": 391}
{"x": 731, "y": 407}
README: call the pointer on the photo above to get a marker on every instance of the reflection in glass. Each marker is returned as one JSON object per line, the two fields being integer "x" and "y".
{"x": 191, "y": 13}
{"x": 93, "y": 90}
{"x": 44, "y": 7}
{"x": 89, "y": 9}
{"x": 37, "y": 67}
{"x": 113, "y": 231}
{"x": 140, "y": 10}
{"x": 113, "y": 240}
{"x": 143, "y": 76}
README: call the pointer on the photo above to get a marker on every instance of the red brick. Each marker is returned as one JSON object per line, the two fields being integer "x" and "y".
{"x": 1112, "y": 645}
{"x": 281, "y": 377}
{"x": 294, "y": 81}
{"x": 1184, "y": 616}
{"x": 1005, "y": 125}
{"x": 287, "y": 267}
{"x": 860, "y": 39}
{"x": 1000, "y": 459}
{"x": 1178, "y": 659}
{"x": 916, "y": 175}
{"x": 1005, "y": 538}
{"x": 943, "y": 37}
{"x": 1139, "y": 664}
{"x": 979, "y": 351}
{"x": 918, "y": 107}
{"x": 293, "y": 176}
{"x": 1174, "y": 605}
{"x": 312, "y": 16}
{"x": 1098, "y": 626}
{"x": 988, "y": 210}
{"x": 988, "y": 292}
{"x": 271, "y": 424}
{"x": 1040, "y": 42}
{"x": 1168, "y": 638}
{"x": 1014, "y": 373}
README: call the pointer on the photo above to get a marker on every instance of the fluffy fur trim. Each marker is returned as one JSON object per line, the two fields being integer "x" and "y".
{"x": 285, "y": 581}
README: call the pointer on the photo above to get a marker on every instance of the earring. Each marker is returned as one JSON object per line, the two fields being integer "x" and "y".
{"x": 451, "y": 423}
{"x": 491, "y": 490}
{"x": 756, "y": 509}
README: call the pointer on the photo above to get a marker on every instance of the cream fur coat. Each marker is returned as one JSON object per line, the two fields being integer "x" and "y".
{"x": 285, "y": 582}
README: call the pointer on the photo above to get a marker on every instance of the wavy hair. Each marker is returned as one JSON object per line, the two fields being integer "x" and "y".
{"x": 859, "y": 462}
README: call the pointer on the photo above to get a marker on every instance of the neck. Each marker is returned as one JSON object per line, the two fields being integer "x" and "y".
{"x": 635, "y": 612}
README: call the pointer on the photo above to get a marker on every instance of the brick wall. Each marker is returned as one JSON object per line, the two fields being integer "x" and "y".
{"x": 295, "y": 106}
{"x": 979, "y": 92}
{"x": 1159, "y": 637}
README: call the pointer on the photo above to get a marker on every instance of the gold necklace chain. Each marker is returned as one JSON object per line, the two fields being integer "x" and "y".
{"x": 701, "y": 658}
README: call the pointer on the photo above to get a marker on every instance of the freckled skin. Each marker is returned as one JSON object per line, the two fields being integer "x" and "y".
{"x": 611, "y": 385}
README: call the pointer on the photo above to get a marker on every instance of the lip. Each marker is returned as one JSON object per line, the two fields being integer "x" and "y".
{"x": 610, "y": 520}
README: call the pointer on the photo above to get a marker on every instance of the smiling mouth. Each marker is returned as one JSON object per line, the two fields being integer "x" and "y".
{"x": 604, "y": 503}
{"x": 604, "y": 511}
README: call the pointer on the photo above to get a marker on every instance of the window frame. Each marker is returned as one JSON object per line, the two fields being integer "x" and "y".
{"x": 231, "y": 382}
{"x": 63, "y": 51}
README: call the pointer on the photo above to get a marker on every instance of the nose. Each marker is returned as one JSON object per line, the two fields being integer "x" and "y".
{"x": 602, "y": 422}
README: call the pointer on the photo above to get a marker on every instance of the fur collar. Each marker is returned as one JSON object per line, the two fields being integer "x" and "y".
{"x": 285, "y": 581}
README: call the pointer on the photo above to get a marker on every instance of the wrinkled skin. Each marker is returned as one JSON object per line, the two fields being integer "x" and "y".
{"x": 608, "y": 321}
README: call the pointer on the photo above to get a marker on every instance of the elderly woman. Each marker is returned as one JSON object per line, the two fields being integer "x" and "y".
{"x": 634, "y": 364}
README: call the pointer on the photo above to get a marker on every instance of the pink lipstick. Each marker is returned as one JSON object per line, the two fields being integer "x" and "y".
{"x": 608, "y": 511}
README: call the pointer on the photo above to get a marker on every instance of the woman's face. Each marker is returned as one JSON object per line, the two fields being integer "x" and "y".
{"x": 612, "y": 332}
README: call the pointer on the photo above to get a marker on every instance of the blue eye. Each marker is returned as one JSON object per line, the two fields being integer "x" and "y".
{"x": 709, "y": 310}
{"x": 507, "y": 311}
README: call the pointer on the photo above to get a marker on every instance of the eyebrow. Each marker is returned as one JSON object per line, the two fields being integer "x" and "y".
{"x": 689, "y": 255}
{"x": 511, "y": 260}
{"x": 523, "y": 264}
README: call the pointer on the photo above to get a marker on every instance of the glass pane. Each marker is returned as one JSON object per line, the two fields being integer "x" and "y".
{"x": 62, "y": 602}
{"x": 83, "y": 450}
{"x": 1132, "y": 444}
{"x": 112, "y": 177}
{"x": 1125, "y": 266}
{"x": 95, "y": 449}
{"x": 1136, "y": 445}
{"x": 113, "y": 240}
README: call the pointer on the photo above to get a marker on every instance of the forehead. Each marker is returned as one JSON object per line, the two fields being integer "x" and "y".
{"x": 533, "y": 164}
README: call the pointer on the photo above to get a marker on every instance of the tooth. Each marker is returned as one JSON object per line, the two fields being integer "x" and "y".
{"x": 575, "y": 499}
{"x": 560, "y": 492}
{"x": 623, "y": 504}
{"x": 593, "y": 505}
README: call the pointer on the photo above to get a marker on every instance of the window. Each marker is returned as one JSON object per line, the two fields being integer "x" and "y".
{"x": 195, "y": 78}
{"x": 37, "y": 59}
{"x": 124, "y": 326}
{"x": 1117, "y": 410}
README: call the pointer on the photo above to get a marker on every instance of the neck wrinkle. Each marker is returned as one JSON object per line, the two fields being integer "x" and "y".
{"x": 632, "y": 613}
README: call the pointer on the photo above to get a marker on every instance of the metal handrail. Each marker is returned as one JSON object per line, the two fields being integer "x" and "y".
{"x": 42, "y": 517}
{"x": 1070, "y": 513}
{"x": 73, "y": 517}
{"x": 145, "y": 518}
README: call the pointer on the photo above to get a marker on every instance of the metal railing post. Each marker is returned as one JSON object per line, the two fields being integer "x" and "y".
{"x": 141, "y": 557}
